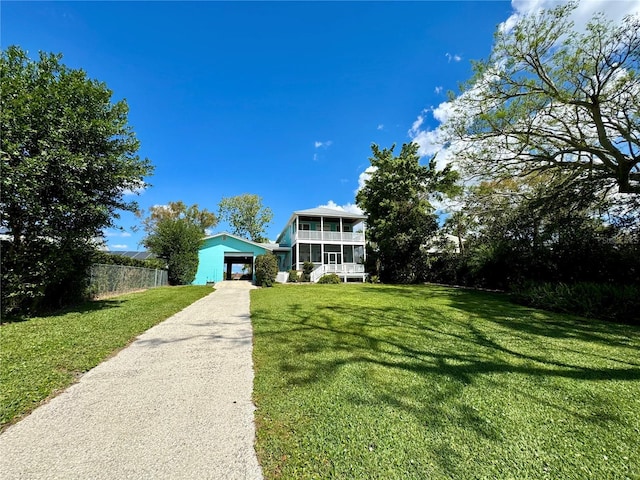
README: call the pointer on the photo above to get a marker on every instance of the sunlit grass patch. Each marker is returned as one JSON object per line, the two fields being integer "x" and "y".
{"x": 414, "y": 382}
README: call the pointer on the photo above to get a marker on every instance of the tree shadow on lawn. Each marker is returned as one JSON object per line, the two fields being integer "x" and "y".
{"x": 85, "y": 307}
{"x": 479, "y": 340}
{"x": 497, "y": 307}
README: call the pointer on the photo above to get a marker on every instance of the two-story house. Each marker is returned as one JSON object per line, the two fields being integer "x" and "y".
{"x": 333, "y": 240}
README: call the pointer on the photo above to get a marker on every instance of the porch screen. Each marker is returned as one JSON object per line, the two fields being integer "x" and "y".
{"x": 347, "y": 252}
{"x": 310, "y": 253}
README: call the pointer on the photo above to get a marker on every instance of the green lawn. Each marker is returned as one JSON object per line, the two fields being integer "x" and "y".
{"x": 43, "y": 355}
{"x": 426, "y": 382}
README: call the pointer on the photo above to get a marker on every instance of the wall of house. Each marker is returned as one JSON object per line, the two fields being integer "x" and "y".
{"x": 285, "y": 237}
{"x": 211, "y": 257}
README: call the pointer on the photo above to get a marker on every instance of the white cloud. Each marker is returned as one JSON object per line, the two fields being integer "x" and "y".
{"x": 613, "y": 10}
{"x": 455, "y": 57}
{"x": 380, "y": 127}
{"x": 120, "y": 246}
{"x": 443, "y": 111}
{"x": 349, "y": 207}
{"x": 326, "y": 144}
{"x": 428, "y": 140}
{"x": 112, "y": 233}
{"x": 438, "y": 90}
{"x": 364, "y": 176}
{"x": 415, "y": 127}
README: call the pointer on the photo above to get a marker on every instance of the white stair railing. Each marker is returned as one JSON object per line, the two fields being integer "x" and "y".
{"x": 316, "y": 273}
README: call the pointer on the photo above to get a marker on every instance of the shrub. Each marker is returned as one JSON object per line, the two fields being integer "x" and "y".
{"x": 293, "y": 276}
{"x": 330, "y": 278}
{"x": 48, "y": 277}
{"x": 595, "y": 300}
{"x": 266, "y": 269}
{"x": 307, "y": 268}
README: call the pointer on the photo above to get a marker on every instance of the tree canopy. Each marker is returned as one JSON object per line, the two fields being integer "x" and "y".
{"x": 69, "y": 164}
{"x": 246, "y": 215}
{"x": 175, "y": 233}
{"x": 202, "y": 218}
{"x": 553, "y": 98}
{"x": 400, "y": 218}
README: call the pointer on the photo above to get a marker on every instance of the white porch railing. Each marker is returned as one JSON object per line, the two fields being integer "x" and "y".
{"x": 357, "y": 237}
{"x": 339, "y": 269}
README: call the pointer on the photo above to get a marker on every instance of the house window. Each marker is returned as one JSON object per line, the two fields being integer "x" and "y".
{"x": 305, "y": 226}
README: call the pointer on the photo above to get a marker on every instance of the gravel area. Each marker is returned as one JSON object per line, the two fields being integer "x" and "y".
{"x": 175, "y": 404}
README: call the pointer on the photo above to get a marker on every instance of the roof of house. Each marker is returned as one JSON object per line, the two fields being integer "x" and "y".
{"x": 328, "y": 212}
{"x": 266, "y": 246}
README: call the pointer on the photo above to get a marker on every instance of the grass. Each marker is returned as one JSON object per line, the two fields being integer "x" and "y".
{"x": 417, "y": 382}
{"x": 42, "y": 355}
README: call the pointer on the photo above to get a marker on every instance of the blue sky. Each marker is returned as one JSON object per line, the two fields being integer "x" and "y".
{"x": 278, "y": 99}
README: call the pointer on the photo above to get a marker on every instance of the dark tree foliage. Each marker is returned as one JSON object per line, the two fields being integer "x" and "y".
{"x": 544, "y": 238}
{"x": 174, "y": 234}
{"x": 400, "y": 218}
{"x": 266, "y": 268}
{"x": 68, "y": 161}
{"x": 177, "y": 241}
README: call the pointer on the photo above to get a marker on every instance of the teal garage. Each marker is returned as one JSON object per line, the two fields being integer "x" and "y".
{"x": 220, "y": 252}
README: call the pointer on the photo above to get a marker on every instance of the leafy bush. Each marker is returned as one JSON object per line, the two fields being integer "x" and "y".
{"x": 307, "y": 268}
{"x": 178, "y": 242}
{"x": 48, "y": 277}
{"x": 330, "y": 278}
{"x": 293, "y": 276}
{"x": 266, "y": 269}
{"x": 594, "y": 300}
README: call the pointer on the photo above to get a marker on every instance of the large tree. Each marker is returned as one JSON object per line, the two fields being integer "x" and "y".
{"x": 246, "y": 215}
{"x": 554, "y": 98}
{"x": 68, "y": 162}
{"x": 400, "y": 218}
{"x": 174, "y": 234}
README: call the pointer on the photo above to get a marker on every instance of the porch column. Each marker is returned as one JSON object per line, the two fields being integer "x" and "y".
{"x": 229, "y": 267}
{"x": 364, "y": 250}
{"x": 295, "y": 267}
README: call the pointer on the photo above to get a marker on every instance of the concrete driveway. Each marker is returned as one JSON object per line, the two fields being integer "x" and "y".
{"x": 175, "y": 404}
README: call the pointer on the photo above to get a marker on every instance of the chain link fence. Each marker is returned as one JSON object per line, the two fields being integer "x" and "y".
{"x": 116, "y": 279}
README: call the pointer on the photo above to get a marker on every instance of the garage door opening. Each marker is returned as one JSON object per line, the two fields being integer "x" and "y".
{"x": 238, "y": 266}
